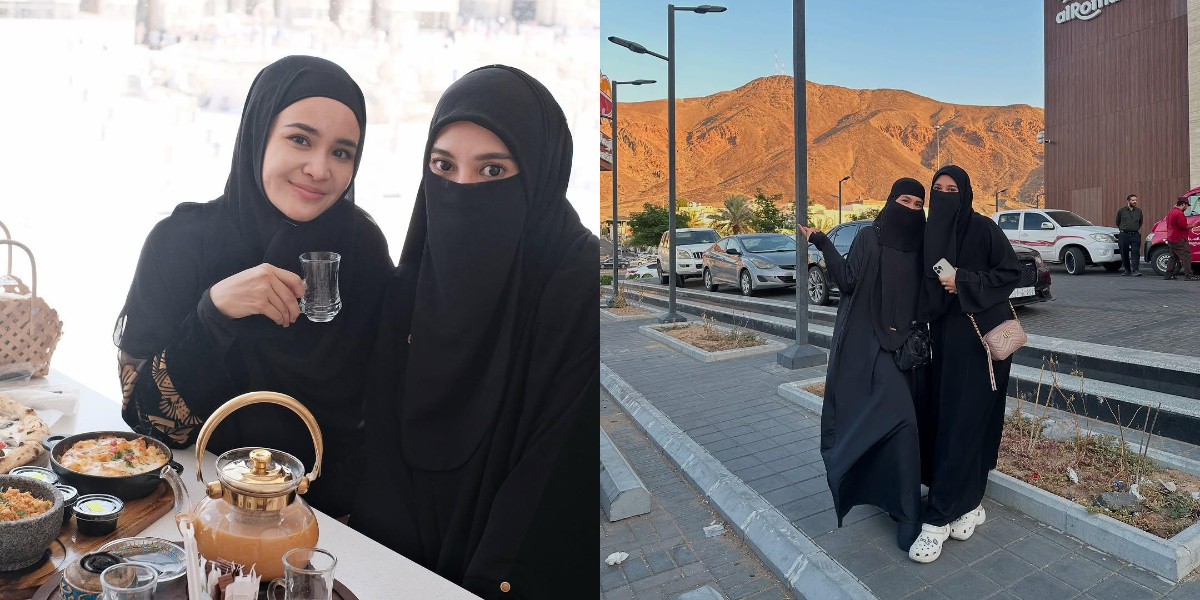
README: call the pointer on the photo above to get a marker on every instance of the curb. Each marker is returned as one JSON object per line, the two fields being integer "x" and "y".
{"x": 652, "y": 313}
{"x": 789, "y": 554}
{"x": 654, "y": 333}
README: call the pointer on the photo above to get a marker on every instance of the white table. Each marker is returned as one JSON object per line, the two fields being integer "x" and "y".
{"x": 367, "y": 568}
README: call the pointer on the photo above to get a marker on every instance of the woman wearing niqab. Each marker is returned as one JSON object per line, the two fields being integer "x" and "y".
{"x": 869, "y": 436}
{"x": 481, "y": 412}
{"x": 961, "y": 423}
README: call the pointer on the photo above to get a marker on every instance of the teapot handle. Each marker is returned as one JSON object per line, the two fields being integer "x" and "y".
{"x": 259, "y": 398}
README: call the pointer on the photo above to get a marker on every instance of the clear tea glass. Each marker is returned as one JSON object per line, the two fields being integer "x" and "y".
{"x": 307, "y": 575}
{"x": 322, "y": 300}
{"x": 128, "y": 581}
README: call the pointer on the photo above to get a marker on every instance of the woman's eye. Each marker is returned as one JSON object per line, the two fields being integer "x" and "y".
{"x": 493, "y": 170}
{"x": 441, "y": 165}
{"x": 299, "y": 139}
{"x": 344, "y": 154}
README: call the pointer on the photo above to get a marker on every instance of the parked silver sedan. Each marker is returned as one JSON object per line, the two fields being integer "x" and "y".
{"x": 751, "y": 261}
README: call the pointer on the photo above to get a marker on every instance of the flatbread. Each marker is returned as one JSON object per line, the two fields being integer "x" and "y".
{"x": 21, "y": 434}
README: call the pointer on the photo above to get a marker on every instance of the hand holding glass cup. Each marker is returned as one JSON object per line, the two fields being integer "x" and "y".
{"x": 322, "y": 300}
{"x": 307, "y": 575}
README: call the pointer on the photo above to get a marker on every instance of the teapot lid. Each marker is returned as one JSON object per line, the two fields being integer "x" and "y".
{"x": 259, "y": 472}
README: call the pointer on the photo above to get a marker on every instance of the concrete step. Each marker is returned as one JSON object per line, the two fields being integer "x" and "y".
{"x": 1178, "y": 419}
{"x": 1172, "y": 416}
{"x": 622, "y": 492}
{"x": 1173, "y": 374}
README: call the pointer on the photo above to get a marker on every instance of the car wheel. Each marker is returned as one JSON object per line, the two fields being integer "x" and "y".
{"x": 709, "y": 284}
{"x": 1075, "y": 261}
{"x": 1112, "y": 267}
{"x": 661, "y": 278}
{"x": 818, "y": 287}
{"x": 1158, "y": 258}
{"x": 747, "y": 284}
{"x": 678, "y": 281}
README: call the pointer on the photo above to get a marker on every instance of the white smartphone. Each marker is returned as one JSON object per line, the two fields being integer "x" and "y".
{"x": 943, "y": 269}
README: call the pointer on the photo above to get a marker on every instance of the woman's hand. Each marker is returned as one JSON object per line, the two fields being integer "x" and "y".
{"x": 262, "y": 290}
{"x": 949, "y": 284}
{"x": 807, "y": 232}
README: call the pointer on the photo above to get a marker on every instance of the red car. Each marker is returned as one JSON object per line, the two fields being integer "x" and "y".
{"x": 1156, "y": 251}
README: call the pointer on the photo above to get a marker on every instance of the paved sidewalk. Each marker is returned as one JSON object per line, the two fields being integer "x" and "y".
{"x": 669, "y": 554}
{"x": 733, "y": 411}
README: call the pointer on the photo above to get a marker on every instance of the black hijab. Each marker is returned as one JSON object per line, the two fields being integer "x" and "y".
{"x": 202, "y": 244}
{"x": 901, "y": 233}
{"x": 483, "y": 254}
{"x": 949, "y": 215}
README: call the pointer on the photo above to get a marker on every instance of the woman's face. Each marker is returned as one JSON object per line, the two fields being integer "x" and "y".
{"x": 913, "y": 202}
{"x": 309, "y": 159}
{"x": 945, "y": 183}
{"x": 467, "y": 153}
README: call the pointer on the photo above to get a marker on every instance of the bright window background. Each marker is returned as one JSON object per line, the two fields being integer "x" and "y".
{"x": 104, "y": 136}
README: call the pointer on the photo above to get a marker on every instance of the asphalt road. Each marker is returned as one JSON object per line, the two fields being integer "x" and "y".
{"x": 1145, "y": 312}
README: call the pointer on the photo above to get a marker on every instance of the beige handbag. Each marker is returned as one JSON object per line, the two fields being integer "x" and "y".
{"x": 1002, "y": 341}
{"x": 29, "y": 328}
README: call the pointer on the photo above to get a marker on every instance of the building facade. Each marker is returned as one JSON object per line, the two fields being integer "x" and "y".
{"x": 1122, "y": 104}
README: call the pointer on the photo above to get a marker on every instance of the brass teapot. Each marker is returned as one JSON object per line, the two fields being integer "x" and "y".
{"x": 253, "y": 513}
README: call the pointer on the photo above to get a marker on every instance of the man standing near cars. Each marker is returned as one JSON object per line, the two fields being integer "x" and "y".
{"x": 1129, "y": 222}
{"x": 1177, "y": 232}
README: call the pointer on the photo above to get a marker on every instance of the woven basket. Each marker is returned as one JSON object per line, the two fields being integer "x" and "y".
{"x": 29, "y": 328}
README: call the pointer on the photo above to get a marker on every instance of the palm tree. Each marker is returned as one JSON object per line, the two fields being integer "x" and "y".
{"x": 735, "y": 217}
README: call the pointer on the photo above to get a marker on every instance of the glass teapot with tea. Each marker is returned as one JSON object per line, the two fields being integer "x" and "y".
{"x": 253, "y": 513}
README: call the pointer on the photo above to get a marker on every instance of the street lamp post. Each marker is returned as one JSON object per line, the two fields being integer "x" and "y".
{"x": 840, "y": 199}
{"x": 801, "y": 354}
{"x": 998, "y": 198}
{"x": 672, "y": 316}
{"x": 615, "y": 235}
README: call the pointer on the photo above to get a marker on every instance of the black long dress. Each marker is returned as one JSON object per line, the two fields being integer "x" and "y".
{"x": 481, "y": 412}
{"x": 181, "y": 358}
{"x": 962, "y": 422}
{"x": 869, "y": 435}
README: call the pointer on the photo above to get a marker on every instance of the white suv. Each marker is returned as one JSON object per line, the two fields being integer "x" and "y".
{"x": 691, "y": 242}
{"x": 1061, "y": 236}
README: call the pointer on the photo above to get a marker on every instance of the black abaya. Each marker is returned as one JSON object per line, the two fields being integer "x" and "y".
{"x": 484, "y": 381}
{"x": 962, "y": 422}
{"x": 181, "y": 358}
{"x": 869, "y": 435}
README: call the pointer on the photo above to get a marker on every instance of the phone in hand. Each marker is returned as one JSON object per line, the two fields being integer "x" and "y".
{"x": 943, "y": 269}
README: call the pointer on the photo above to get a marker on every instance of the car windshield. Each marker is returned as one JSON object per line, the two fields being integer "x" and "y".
{"x": 1066, "y": 218}
{"x": 769, "y": 243}
{"x": 684, "y": 238}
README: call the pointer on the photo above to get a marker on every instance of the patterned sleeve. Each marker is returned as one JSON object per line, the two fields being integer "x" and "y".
{"x": 168, "y": 395}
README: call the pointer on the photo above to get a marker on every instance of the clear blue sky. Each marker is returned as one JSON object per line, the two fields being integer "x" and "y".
{"x": 961, "y": 52}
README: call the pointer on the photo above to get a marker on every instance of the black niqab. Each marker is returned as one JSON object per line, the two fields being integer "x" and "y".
{"x": 321, "y": 364}
{"x": 949, "y": 215}
{"x": 901, "y": 233}
{"x": 483, "y": 253}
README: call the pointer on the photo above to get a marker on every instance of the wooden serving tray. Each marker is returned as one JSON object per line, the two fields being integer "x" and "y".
{"x": 177, "y": 591}
{"x": 70, "y": 545}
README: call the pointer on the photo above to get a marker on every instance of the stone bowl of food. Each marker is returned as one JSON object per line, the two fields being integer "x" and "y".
{"x": 30, "y": 520}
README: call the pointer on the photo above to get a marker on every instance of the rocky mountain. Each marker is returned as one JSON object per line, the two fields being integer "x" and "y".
{"x": 733, "y": 142}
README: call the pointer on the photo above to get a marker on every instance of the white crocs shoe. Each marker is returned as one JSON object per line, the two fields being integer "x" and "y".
{"x": 928, "y": 546}
{"x": 964, "y": 526}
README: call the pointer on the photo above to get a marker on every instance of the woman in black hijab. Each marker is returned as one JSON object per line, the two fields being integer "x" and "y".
{"x": 961, "y": 424}
{"x": 483, "y": 393}
{"x": 868, "y": 424}
{"x": 212, "y": 311}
